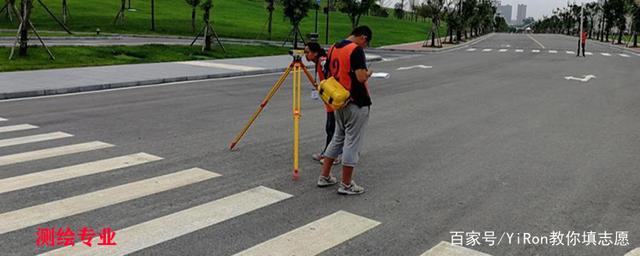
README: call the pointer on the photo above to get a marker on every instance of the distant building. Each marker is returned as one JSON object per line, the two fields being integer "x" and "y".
{"x": 522, "y": 13}
{"x": 506, "y": 12}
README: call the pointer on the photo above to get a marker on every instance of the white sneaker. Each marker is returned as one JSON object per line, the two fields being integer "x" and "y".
{"x": 351, "y": 189}
{"x": 326, "y": 181}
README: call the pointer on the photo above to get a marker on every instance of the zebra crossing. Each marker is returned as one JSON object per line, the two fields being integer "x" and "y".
{"x": 300, "y": 241}
{"x": 568, "y": 52}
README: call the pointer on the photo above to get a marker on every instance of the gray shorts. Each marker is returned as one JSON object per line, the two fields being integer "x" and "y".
{"x": 349, "y": 134}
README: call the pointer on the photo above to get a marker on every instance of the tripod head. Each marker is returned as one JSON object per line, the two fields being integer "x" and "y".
{"x": 296, "y": 53}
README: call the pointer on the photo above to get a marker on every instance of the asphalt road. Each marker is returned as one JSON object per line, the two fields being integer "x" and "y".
{"x": 483, "y": 141}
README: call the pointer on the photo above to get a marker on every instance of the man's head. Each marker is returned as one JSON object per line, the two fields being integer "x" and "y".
{"x": 361, "y": 35}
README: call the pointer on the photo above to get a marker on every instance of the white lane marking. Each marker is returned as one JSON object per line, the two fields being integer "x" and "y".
{"x": 535, "y": 51}
{"x": 553, "y": 51}
{"x": 588, "y": 53}
{"x": 519, "y": 50}
{"x": 2, "y": 119}
{"x": 606, "y": 54}
{"x": 219, "y": 65}
{"x": 34, "y": 138}
{"x": 487, "y": 50}
{"x": 138, "y": 237}
{"x": 584, "y": 80}
{"x": 416, "y": 66}
{"x": 74, "y": 171}
{"x": 448, "y": 249}
{"x": 471, "y": 50}
{"x": 635, "y": 252}
{"x": 42, "y": 213}
{"x": 52, "y": 152}
{"x": 571, "y": 52}
{"x": 540, "y": 44}
{"x": 503, "y": 50}
{"x": 19, "y": 127}
{"x": 625, "y": 55}
{"x": 315, "y": 237}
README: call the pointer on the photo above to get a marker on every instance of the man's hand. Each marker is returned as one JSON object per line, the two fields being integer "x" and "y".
{"x": 363, "y": 75}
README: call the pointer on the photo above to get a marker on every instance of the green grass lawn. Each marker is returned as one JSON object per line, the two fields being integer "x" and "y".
{"x": 231, "y": 18}
{"x": 112, "y": 55}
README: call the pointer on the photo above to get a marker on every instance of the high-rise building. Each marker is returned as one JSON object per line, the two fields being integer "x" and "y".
{"x": 522, "y": 13}
{"x": 506, "y": 12}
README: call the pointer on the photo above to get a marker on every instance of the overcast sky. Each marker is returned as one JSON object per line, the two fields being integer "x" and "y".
{"x": 535, "y": 8}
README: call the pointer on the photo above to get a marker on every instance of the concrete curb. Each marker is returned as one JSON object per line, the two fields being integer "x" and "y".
{"x": 427, "y": 50}
{"x": 106, "y": 86}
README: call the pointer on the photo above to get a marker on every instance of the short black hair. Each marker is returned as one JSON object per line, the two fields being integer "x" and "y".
{"x": 363, "y": 31}
{"x": 317, "y": 48}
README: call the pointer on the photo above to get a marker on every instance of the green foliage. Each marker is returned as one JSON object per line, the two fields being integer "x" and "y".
{"x": 296, "y": 10}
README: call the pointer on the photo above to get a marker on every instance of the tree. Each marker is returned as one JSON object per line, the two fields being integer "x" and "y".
{"x": 501, "y": 24}
{"x": 636, "y": 22}
{"x": 354, "y": 9}
{"x": 296, "y": 10}
{"x": 206, "y": 6}
{"x": 120, "y": 18}
{"x": 398, "y": 10}
{"x": 9, "y": 9}
{"x": 377, "y": 10}
{"x": 194, "y": 4}
{"x": 25, "y": 8}
{"x": 153, "y": 15}
{"x": 270, "y": 8}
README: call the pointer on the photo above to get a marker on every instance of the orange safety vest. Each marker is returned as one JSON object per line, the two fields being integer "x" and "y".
{"x": 340, "y": 65}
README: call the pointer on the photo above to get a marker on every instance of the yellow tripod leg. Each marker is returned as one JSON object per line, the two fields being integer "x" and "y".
{"x": 296, "y": 118}
{"x": 272, "y": 92}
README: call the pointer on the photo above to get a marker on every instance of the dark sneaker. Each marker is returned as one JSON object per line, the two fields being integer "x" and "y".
{"x": 326, "y": 181}
{"x": 351, "y": 189}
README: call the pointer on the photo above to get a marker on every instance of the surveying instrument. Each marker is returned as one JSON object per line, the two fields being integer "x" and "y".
{"x": 298, "y": 67}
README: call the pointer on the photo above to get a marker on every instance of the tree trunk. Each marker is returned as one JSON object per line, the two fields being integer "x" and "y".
{"x": 25, "y": 7}
{"x": 620, "y": 36}
{"x": 635, "y": 39}
{"x": 193, "y": 19}
{"x": 207, "y": 34}
{"x": 270, "y": 22}
{"x": 153, "y": 15}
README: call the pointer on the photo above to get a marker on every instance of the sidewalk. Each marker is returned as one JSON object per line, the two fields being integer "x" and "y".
{"x": 58, "y": 81}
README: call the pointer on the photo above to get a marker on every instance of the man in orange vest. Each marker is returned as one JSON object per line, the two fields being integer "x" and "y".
{"x": 347, "y": 64}
{"x": 583, "y": 42}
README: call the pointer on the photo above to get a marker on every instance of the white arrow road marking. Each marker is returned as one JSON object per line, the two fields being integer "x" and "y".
{"x": 416, "y": 66}
{"x": 584, "y": 80}
{"x": 625, "y": 55}
{"x": 606, "y": 54}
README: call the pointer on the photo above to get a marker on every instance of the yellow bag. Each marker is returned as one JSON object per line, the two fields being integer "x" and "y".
{"x": 333, "y": 93}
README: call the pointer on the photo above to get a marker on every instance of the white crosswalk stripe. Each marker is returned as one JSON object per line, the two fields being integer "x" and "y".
{"x": 535, "y": 51}
{"x": 448, "y": 249}
{"x": 42, "y": 213}
{"x": 571, "y": 52}
{"x": 588, "y": 53}
{"x": 624, "y": 55}
{"x": 138, "y": 237}
{"x": 503, "y": 50}
{"x": 471, "y": 50}
{"x": 52, "y": 152}
{"x": 519, "y": 50}
{"x": 487, "y": 50}
{"x": 70, "y": 172}
{"x": 606, "y": 54}
{"x": 19, "y": 127}
{"x": 553, "y": 51}
{"x": 635, "y": 252}
{"x": 315, "y": 237}
{"x": 3, "y": 119}
{"x": 34, "y": 138}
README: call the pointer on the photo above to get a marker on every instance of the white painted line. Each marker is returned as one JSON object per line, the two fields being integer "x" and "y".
{"x": 540, "y": 44}
{"x": 635, "y": 252}
{"x": 584, "y": 80}
{"x": 606, "y": 54}
{"x": 571, "y": 52}
{"x": 625, "y": 55}
{"x": 34, "y": 138}
{"x": 19, "y": 127}
{"x": 588, "y": 53}
{"x": 448, "y": 249}
{"x": 471, "y": 50}
{"x": 168, "y": 227}
{"x": 503, "y": 50}
{"x": 416, "y": 66}
{"x": 315, "y": 237}
{"x": 42, "y": 213}
{"x": 2, "y": 119}
{"x": 52, "y": 152}
{"x": 535, "y": 51}
{"x": 220, "y": 65}
{"x": 487, "y": 50}
{"x": 553, "y": 51}
{"x": 519, "y": 50}
{"x": 70, "y": 172}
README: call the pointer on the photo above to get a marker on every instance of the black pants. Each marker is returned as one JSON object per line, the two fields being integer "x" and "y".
{"x": 330, "y": 128}
{"x": 583, "y": 46}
